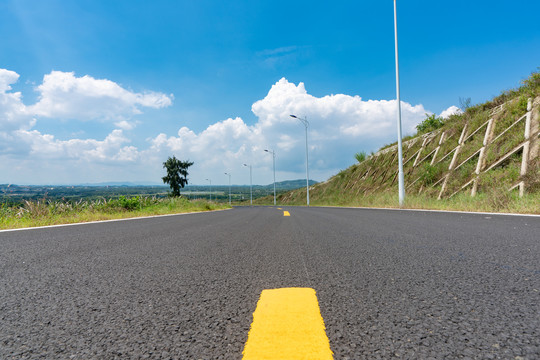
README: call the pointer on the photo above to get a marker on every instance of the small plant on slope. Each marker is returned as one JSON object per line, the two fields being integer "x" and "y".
{"x": 360, "y": 156}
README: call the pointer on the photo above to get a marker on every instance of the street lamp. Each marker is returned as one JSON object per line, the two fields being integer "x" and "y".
{"x": 400, "y": 153}
{"x": 306, "y": 124}
{"x": 229, "y": 187}
{"x": 274, "y": 162}
{"x": 250, "y": 185}
{"x": 210, "y": 188}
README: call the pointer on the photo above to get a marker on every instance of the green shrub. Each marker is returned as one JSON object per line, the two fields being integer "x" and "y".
{"x": 432, "y": 122}
{"x": 125, "y": 203}
{"x": 360, "y": 156}
{"x": 532, "y": 85}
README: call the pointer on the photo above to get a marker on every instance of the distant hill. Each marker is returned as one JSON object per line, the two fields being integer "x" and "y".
{"x": 291, "y": 184}
{"x": 123, "y": 183}
{"x": 280, "y": 185}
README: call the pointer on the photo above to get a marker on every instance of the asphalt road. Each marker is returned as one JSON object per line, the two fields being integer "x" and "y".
{"x": 400, "y": 284}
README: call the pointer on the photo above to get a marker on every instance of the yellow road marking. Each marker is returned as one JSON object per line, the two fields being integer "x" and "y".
{"x": 287, "y": 324}
{"x": 279, "y": 208}
{"x": 286, "y": 213}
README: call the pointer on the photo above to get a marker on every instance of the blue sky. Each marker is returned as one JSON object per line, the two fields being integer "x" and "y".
{"x": 95, "y": 91}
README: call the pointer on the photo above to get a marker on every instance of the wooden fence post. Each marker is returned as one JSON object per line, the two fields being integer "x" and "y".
{"x": 481, "y": 158}
{"x": 453, "y": 162}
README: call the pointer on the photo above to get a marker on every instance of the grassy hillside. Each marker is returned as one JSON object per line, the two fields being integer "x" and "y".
{"x": 485, "y": 159}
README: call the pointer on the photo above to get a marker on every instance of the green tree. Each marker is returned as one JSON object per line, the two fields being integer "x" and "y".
{"x": 176, "y": 174}
{"x": 429, "y": 124}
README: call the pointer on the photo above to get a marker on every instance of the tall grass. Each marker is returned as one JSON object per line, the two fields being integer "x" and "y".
{"x": 489, "y": 201}
{"x": 49, "y": 212}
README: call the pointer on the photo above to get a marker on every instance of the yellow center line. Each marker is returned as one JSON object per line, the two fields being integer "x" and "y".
{"x": 287, "y": 324}
{"x": 286, "y": 213}
{"x": 279, "y": 208}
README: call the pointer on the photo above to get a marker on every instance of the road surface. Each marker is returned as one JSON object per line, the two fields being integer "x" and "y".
{"x": 390, "y": 284}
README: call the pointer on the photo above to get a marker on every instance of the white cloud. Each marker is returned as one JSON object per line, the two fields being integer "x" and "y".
{"x": 65, "y": 96}
{"x": 7, "y": 78}
{"x": 221, "y": 144}
{"x": 13, "y": 113}
{"x": 125, "y": 125}
{"x": 340, "y": 125}
{"x": 111, "y": 149}
{"x": 339, "y": 115}
{"x": 452, "y": 110}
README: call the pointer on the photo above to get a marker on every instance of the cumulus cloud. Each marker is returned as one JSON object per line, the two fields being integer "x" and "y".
{"x": 340, "y": 115}
{"x": 65, "y": 96}
{"x": 7, "y": 78}
{"x": 452, "y": 110}
{"x": 340, "y": 125}
{"x": 111, "y": 149}
{"x": 125, "y": 125}
{"x": 62, "y": 96}
{"x": 13, "y": 113}
{"x": 221, "y": 144}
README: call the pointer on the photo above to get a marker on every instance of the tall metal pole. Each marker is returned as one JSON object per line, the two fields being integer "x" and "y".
{"x": 274, "y": 162}
{"x": 229, "y": 187}
{"x": 210, "y": 188}
{"x": 400, "y": 152}
{"x": 250, "y": 185}
{"x": 306, "y": 124}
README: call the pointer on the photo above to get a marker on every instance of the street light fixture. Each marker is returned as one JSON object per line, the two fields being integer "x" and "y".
{"x": 210, "y": 188}
{"x": 250, "y": 185}
{"x": 229, "y": 187}
{"x": 274, "y": 162}
{"x": 306, "y": 124}
{"x": 400, "y": 152}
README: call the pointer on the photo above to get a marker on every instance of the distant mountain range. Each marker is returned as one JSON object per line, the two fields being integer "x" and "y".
{"x": 122, "y": 183}
{"x": 291, "y": 184}
{"x": 280, "y": 185}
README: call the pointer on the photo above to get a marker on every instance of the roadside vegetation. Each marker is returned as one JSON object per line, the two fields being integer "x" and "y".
{"x": 31, "y": 213}
{"x": 54, "y": 212}
{"x": 501, "y": 202}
